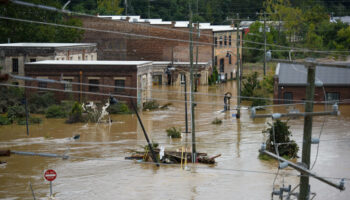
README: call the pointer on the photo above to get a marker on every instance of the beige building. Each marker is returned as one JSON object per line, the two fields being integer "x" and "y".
{"x": 13, "y": 56}
{"x": 225, "y": 51}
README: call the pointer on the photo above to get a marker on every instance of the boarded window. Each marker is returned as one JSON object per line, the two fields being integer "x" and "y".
{"x": 225, "y": 41}
{"x": 220, "y": 41}
{"x": 119, "y": 85}
{"x": 94, "y": 86}
{"x": 229, "y": 40}
{"x": 15, "y": 65}
{"x": 229, "y": 59}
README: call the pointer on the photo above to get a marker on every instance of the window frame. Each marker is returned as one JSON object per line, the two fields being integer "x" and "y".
{"x": 15, "y": 67}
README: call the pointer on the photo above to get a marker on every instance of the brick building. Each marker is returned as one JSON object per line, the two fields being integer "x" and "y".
{"x": 113, "y": 73}
{"x": 290, "y": 83}
{"x": 13, "y": 56}
{"x": 169, "y": 40}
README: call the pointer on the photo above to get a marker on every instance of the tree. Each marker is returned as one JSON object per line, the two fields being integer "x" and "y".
{"x": 109, "y": 7}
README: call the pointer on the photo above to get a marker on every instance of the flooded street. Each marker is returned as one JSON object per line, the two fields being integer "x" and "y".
{"x": 97, "y": 169}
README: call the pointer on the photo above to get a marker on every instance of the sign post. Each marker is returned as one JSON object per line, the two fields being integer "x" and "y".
{"x": 50, "y": 175}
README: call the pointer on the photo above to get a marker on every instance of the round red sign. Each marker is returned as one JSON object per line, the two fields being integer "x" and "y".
{"x": 50, "y": 175}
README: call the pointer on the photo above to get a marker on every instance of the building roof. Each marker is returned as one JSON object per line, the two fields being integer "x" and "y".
{"x": 88, "y": 62}
{"x": 296, "y": 75}
{"x": 46, "y": 44}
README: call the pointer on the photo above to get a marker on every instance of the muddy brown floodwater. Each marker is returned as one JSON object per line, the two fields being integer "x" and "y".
{"x": 97, "y": 169}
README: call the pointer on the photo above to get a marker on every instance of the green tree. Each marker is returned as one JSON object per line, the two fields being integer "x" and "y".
{"x": 109, "y": 7}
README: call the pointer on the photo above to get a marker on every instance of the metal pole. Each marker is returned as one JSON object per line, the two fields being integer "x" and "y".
{"x": 50, "y": 188}
{"x": 238, "y": 73}
{"x": 186, "y": 120}
{"x": 126, "y": 7}
{"x": 31, "y": 188}
{"x": 25, "y": 106}
{"x": 149, "y": 10}
{"x": 310, "y": 91}
{"x": 192, "y": 96}
{"x": 264, "y": 44}
{"x": 306, "y": 172}
{"x": 146, "y": 136}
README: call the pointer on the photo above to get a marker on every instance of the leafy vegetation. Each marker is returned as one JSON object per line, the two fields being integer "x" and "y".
{"x": 174, "y": 132}
{"x": 213, "y": 78}
{"x": 282, "y": 135}
{"x": 217, "y": 121}
{"x": 10, "y": 96}
{"x": 150, "y": 105}
{"x": 38, "y": 102}
{"x": 252, "y": 87}
{"x": 119, "y": 108}
{"x": 76, "y": 114}
{"x": 154, "y": 146}
{"x": 55, "y": 111}
{"x": 4, "y": 120}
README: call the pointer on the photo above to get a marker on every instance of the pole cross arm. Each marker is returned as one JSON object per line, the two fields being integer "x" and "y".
{"x": 303, "y": 170}
{"x": 280, "y": 115}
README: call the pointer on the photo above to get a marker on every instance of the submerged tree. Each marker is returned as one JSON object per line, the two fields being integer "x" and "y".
{"x": 279, "y": 132}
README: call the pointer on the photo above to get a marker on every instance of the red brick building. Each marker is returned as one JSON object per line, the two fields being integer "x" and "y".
{"x": 113, "y": 73}
{"x": 290, "y": 83}
{"x": 122, "y": 43}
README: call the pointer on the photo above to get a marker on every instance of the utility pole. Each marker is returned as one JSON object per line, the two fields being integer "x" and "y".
{"x": 306, "y": 153}
{"x": 192, "y": 96}
{"x": 126, "y": 7}
{"x": 238, "y": 72}
{"x": 149, "y": 10}
{"x": 264, "y": 43}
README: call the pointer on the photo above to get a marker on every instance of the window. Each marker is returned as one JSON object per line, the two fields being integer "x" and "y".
{"x": 220, "y": 41}
{"x": 288, "y": 97}
{"x": 183, "y": 78}
{"x": 225, "y": 41}
{"x": 32, "y": 60}
{"x": 229, "y": 59}
{"x": 68, "y": 86}
{"x": 93, "y": 88}
{"x": 231, "y": 75}
{"x": 216, "y": 61}
{"x": 119, "y": 85}
{"x": 42, "y": 84}
{"x": 225, "y": 76}
{"x": 216, "y": 41}
{"x": 14, "y": 83}
{"x": 15, "y": 65}
{"x": 222, "y": 65}
{"x": 332, "y": 96}
{"x": 86, "y": 57}
{"x": 229, "y": 40}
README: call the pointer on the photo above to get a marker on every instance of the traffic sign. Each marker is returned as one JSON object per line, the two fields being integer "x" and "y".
{"x": 50, "y": 175}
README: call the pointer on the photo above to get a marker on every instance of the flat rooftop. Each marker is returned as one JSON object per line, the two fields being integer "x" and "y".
{"x": 46, "y": 44}
{"x": 88, "y": 62}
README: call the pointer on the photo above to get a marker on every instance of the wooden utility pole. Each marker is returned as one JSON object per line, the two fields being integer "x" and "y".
{"x": 193, "y": 129}
{"x": 264, "y": 43}
{"x": 306, "y": 153}
{"x": 238, "y": 72}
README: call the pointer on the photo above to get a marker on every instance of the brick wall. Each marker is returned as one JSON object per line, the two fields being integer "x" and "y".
{"x": 126, "y": 47}
{"x": 106, "y": 75}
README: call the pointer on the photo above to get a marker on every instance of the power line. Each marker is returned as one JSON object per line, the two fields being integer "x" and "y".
{"x": 83, "y": 14}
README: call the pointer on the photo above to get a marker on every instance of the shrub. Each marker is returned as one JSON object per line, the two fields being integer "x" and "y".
{"x": 75, "y": 114}
{"x": 282, "y": 135}
{"x": 173, "y": 132}
{"x": 150, "y": 105}
{"x": 31, "y": 120}
{"x": 15, "y": 112}
{"x": 217, "y": 121}
{"x": 4, "y": 120}
{"x": 213, "y": 78}
{"x": 119, "y": 108}
{"x": 55, "y": 111}
{"x": 38, "y": 103}
{"x": 154, "y": 146}
{"x": 10, "y": 96}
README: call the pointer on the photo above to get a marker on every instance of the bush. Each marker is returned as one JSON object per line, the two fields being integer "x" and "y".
{"x": 213, "y": 78}
{"x": 217, "y": 121}
{"x": 150, "y": 105}
{"x": 282, "y": 135}
{"x": 10, "y": 96}
{"x": 173, "y": 132}
{"x": 4, "y": 120}
{"x": 31, "y": 120}
{"x": 55, "y": 111}
{"x": 15, "y": 112}
{"x": 38, "y": 103}
{"x": 119, "y": 108}
{"x": 154, "y": 146}
{"x": 75, "y": 115}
